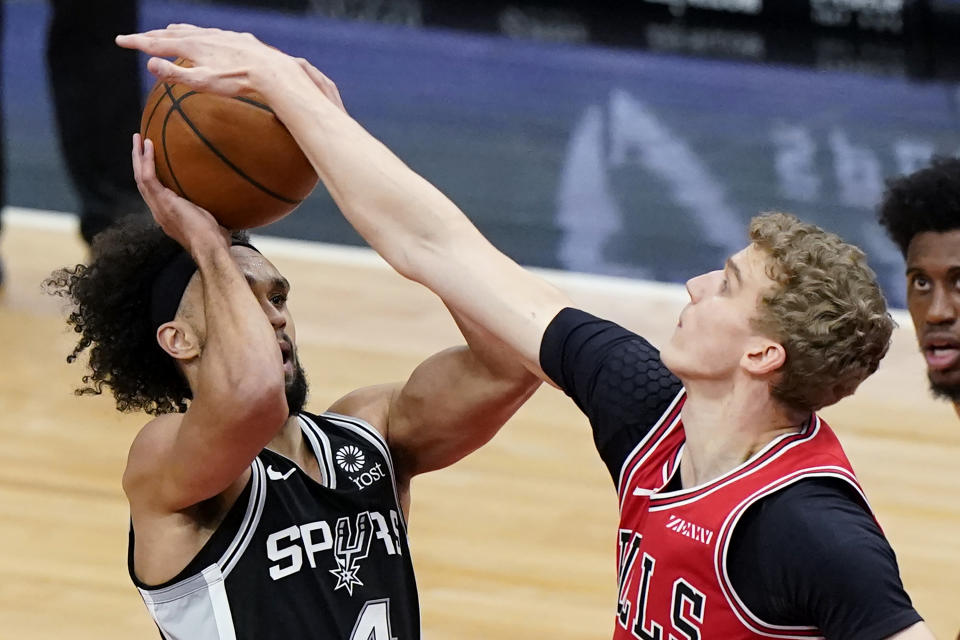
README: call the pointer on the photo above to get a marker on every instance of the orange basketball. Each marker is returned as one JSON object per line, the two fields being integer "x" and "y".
{"x": 231, "y": 156}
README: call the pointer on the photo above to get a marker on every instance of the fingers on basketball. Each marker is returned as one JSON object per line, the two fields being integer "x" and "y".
{"x": 228, "y": 155}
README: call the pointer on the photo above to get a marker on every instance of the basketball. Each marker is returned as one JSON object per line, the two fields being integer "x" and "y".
{"x": 231, "y": 156}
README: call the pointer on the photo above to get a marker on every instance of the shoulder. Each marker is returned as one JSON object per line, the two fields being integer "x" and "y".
{"x": 370, "y": 404}
{"x": 812, "y": 554}
{"x": 820, "y": 513}
{"x": 148, "y": 448}
{"x": 814, "y": 527}
{"x": 148, "y": 462}
{"x": 373, "y": 406}
{"x": 816, "y": 496}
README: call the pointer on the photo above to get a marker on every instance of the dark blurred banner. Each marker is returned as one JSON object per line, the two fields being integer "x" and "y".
{"x": 576, "y": 156}
{"x": 903, "y": 37}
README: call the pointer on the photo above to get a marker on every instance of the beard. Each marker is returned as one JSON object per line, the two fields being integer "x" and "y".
{"x": 945, "y": 391}
{"x": 296, "y": 389}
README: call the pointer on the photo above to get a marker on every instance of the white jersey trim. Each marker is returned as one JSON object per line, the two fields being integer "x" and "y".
{"x": 670, "y": 469}
{"x": 624, "y": 484}
{"x": 239, "y": 544}
{"x": 193, "y": 609}
{"x": 152, "y": 609}
{"x": 251, "y": 518}
{"x": 735, "y": 474}
{"x": 220, "y": 603}
{"x": 649, "y": 434}
{"x": 750, "y": 620}
{"x": 322, "y": 450}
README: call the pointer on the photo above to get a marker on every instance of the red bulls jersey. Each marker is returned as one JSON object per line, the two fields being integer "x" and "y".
{"x": 672, "y": 572}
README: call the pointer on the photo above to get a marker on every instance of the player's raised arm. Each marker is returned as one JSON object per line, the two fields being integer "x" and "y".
{"x": 417, "y": 229}
{"x": 238, "y": 401}
{"x": 452, "y": 404}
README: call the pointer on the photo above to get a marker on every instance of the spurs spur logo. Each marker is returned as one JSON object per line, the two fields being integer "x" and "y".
{"x": 352, "y": 545}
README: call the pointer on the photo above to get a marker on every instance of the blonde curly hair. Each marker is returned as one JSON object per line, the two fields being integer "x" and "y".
{"x": 825, "y": 308}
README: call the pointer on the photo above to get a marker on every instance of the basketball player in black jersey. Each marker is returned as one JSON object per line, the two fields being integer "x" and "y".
{"x": 251, "y": 518}
{"x": 921, "y": 212}
{"x": 806, "y": 559}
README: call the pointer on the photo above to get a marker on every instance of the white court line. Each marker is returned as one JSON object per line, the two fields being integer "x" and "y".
{"x": 311, "y": 251}
{"x": 40, "y": 219}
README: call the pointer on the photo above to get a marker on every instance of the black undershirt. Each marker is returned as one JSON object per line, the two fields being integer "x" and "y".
{"x": 810, "y": 554}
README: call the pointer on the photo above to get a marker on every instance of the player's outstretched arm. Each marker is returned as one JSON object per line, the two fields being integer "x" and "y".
{"x": 239, "y": 402}
{"x": 417, "y": 229}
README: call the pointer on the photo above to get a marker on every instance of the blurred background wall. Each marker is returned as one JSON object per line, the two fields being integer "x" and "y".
{"x": 630, "y": 138}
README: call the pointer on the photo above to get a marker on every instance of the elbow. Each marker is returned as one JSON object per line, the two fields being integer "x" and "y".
{"x": 514, "y": 373}
{"x": 519, "y": 386}
{"x": 260, "y": 398}
{"x": 514, "y": 387}
{"x": 270, "y": 396}
{"x": 414, "y": 260}
{"x": 422, "y": 256}
{"x": 265, "y": 411}
{"x": 526, "y": 383}
{"x": 244, "y": 387}
{"x": 272, "y": 414}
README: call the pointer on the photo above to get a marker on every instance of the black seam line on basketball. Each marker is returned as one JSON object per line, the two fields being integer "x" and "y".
{"x": 152, "y": 112}
{"x": 222, "y": 157}
{"x": 163, "y": 138}
{"x": 254, "y": 103}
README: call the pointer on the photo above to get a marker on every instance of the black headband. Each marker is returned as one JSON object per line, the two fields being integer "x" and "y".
{"x": 170, "y": 283}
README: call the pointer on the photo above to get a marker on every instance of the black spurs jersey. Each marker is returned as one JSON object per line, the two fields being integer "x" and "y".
{"x": 296, "y": 559}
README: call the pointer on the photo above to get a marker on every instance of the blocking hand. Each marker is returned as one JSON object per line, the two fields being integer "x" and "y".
{"x": 225, "y": 62}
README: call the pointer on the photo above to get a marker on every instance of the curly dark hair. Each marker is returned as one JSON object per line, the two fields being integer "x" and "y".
{"x": 111, "y": 312}
{"x": 926, "y": 200}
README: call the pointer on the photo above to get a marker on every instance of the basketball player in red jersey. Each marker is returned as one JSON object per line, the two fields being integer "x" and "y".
{"x": 740, "y": 515}
{"x": 921, "y": 212}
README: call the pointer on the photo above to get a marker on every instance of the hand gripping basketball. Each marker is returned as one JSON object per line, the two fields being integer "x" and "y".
{"x": 180, "y": 219}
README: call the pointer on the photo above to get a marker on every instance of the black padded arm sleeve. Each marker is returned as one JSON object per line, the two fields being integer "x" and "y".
{"x": 613, "y": 375}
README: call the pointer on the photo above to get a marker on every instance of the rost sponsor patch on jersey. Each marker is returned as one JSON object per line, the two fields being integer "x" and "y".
{"x": 348, "y": 540}
{"x": 351, "y": 459}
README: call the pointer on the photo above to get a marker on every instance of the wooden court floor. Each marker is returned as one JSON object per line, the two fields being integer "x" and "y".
{"x": 517, "y": 541}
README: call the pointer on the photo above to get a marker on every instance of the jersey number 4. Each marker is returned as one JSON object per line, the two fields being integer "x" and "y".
{"x": 373, "y": 623}
{"x": 687, "y": 603}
